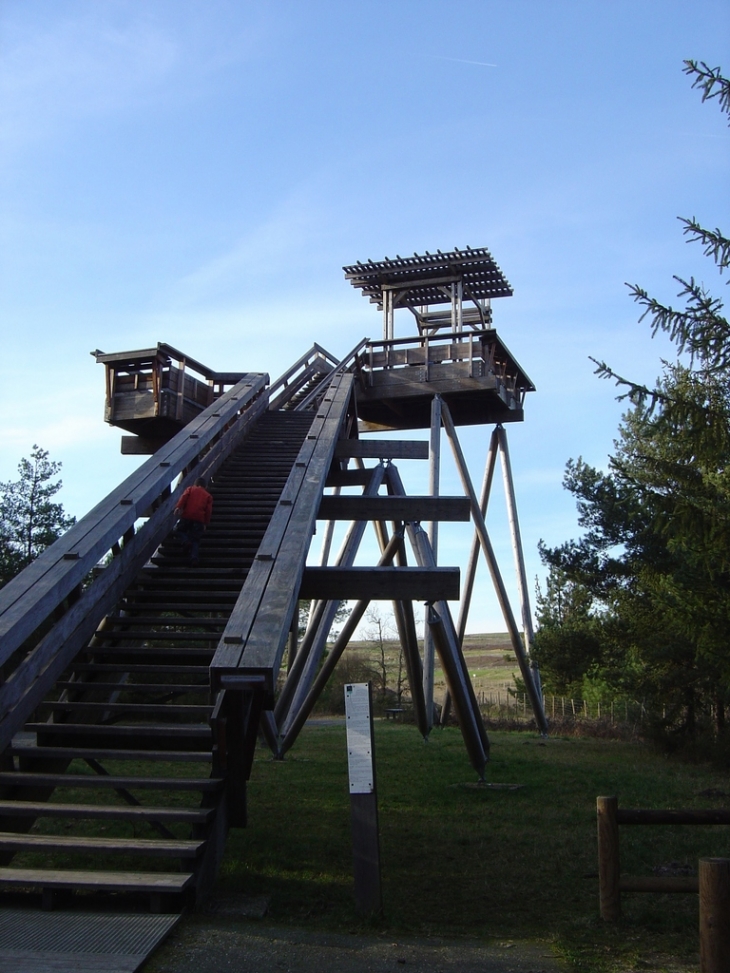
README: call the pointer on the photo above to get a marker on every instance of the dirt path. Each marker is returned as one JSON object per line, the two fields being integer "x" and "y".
{"x": 208, "y": 944}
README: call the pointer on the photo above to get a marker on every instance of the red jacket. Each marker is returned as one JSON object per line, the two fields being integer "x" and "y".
{"x": 195, "y": 504}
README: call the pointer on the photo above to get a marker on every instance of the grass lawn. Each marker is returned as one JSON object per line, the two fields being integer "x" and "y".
{"x": 458, "y": 860}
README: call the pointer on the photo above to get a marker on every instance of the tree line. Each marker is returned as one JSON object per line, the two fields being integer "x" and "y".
{"x": 639, "y": 605}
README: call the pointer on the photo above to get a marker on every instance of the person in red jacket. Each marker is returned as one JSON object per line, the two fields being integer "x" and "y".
{"x": 194, "y": 508}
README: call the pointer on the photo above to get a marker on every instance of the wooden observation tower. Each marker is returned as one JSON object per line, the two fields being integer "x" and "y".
{"x": 142, "y": 678}
{"x": 455, "y": 371}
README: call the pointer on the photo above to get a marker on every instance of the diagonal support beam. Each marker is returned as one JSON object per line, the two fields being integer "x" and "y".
{"x": 486, "y": 545}
{"x": 303, "y": 671}
{"x": 471, "y": 569}
{"x": 297, "y": 720}
{"x": 434, "y": 476}
{"x": 514, "y": 526}
{"x": 406, "y": 624}
{"x": 447, "y": 645}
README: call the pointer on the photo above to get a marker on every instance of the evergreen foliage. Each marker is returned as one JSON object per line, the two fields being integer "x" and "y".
{"x": 30, "y": 520}
{"x": 651, "y": 573}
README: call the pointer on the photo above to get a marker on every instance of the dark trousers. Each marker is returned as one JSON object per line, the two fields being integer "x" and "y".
{"x": 191, "y": 531}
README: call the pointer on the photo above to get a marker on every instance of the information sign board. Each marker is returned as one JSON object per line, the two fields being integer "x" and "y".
{"x": 359, "y": 738}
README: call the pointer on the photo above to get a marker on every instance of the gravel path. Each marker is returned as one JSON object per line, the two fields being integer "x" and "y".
{"x": 209, "y": 944}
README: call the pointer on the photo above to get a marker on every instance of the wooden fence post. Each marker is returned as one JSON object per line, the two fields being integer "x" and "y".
{"x": 608, "y": 858}
{"x": 714, "y": 879}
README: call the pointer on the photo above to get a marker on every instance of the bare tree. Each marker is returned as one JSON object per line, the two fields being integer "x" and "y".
{"x": 380, "y": 630}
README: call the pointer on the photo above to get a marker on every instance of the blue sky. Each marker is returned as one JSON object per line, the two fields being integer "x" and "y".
{"x": 199, "y": 172}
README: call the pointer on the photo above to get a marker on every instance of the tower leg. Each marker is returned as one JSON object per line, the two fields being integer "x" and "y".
{"x": 471, "y": 568}
{"x": 434, "y": 455}
{"x": 486, "y": 545}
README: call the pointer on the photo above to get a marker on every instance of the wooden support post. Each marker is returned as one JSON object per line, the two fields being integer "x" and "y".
{"x": 300, "y": 678}
{"x": 406, "y": 624}
{"x": 328, "y": 532}
{"x": 714, "y": 876}
{"x": 514, "y": 527}
{"x": 363, "y": 798}
{"x": 434, "y": 474}
{"x": 471, "y": 569}
{"x": 608, "y": 858}
{"x": 447, "y": 645}
{"x": 499, "y": 587}
{"x": 180, "y": 391}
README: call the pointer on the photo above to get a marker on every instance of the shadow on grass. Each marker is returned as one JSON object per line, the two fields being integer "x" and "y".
{"x": 464, "y": 861}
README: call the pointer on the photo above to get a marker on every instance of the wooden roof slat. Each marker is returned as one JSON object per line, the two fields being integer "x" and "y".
{"x": 418, "y": 274}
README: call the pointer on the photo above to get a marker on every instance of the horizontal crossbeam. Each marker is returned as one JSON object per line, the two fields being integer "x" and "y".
{"x": 408, "y": 509}
{"x": 382, "y": 448}
{"x": 381, "y": 584}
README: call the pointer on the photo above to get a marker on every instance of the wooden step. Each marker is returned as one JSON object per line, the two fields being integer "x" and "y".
{"x": 157, "y": 651}
{"x": 155, "y": 635}
{"x": 158, "y": 847}
{"x": 141, "y": 668}
{"x": 47, "y": 878}
{"x": 142, "y": 710}
{"x": 124, "y": 621}
{"x": 152, "y": 602}
{"x": 28, "y": 779}
{"x": 32, "y": 752}
{"x": 142, "y": 736}
{"x": 179, "y": 689}
{"x": 104, "y": 812}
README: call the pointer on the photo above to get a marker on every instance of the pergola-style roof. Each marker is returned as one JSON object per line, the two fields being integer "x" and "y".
{"x": 424, "y": 277}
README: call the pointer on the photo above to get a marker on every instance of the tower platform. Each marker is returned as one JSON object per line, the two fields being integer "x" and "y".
{"x": 473, "y": 371}
{"x": 456, "y": 354}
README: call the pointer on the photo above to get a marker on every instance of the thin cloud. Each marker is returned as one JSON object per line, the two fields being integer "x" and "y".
{"x": 461, "y": 60}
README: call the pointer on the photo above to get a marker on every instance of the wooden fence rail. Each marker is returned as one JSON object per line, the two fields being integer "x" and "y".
{"x": 610, "y": 881}
{"x": 712, "y": 882}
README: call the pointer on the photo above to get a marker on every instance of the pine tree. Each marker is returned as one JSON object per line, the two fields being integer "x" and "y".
{"x": 29, "y": 518}
{"x": 655, "y": 555}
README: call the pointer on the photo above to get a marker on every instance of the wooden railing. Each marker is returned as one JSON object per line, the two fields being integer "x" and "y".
{"x": 312, "y": 363}
{"x": 246, "y": 664}
{"x": 712, "y": 881}
{"x": 348, "y": 363}
{"x": 610, "y": 881}
{"x": 481, "y": 351}
{"x": 50, "y": 610}
{"x": 250, "y": 651}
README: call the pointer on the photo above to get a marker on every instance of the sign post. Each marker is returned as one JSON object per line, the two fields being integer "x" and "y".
{"x": 363, "y": 797}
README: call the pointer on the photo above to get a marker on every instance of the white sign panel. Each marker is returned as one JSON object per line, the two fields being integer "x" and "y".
{"x": 359, "y": 738}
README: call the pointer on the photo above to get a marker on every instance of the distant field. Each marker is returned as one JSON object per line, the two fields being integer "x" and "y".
{"x": 489, "y": 657}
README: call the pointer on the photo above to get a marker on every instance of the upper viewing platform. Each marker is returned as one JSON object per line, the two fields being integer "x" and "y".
{"x": 154, "y": 392}
{"x": 418, "y": 282}
{"x": 456, "y": 354}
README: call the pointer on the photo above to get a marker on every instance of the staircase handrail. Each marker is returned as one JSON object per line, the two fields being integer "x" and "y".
{"x": 55, "y": 586}
{"x": 316, "y": 351}
{"x": 343, "y": 365}
{"x": 250, "y": 650}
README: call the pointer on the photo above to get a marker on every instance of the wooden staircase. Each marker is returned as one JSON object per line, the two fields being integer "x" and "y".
{"x": 117, "y": 776}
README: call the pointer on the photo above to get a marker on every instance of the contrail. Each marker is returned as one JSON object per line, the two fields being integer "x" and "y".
{"x": 461, "y": 60}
